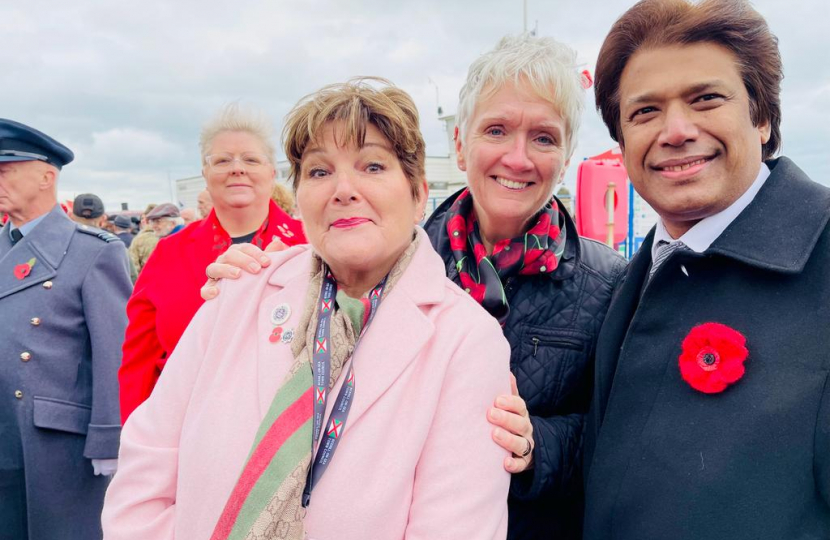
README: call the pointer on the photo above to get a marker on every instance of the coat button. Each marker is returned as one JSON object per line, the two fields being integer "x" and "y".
{"x": 25, "y": 356}
{"x": 18, "y": 394}
{"x": 35, "y": 321}
{"x": 47, "y": 284}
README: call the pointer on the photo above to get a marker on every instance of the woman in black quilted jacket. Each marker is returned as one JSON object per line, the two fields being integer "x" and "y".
{"x": 510, "y": 244}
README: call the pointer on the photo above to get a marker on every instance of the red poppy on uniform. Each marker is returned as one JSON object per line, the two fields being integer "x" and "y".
{"x": 24, "y": 269}
{"x": 713, "y": 357}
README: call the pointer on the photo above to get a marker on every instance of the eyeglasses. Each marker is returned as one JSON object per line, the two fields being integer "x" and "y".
{"x": 250, "y": 161}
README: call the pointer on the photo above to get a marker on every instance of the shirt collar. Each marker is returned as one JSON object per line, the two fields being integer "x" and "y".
{"x": 27, "y": 227}
{"x": 708, "y": 229}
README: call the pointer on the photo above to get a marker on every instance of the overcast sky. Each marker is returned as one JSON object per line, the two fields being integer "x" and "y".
{"x": 127, "y": 85}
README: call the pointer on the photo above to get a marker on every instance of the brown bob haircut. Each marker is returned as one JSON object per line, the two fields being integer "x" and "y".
{"x": 732, "y": 24}
{"x": 358, "y": 103}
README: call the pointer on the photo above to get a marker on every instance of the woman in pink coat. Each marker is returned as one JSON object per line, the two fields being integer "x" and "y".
{"x": 340, "y": 393}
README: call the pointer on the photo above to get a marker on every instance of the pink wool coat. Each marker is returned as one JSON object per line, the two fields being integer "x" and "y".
{"x": 416, "y": 460}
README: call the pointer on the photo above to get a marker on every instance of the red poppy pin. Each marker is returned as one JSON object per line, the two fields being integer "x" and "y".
{"x": 23, "y": 270}
{"x": 713, "y": 357}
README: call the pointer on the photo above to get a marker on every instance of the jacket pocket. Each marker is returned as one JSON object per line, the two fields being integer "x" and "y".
{"x": 61, "y": 415}
{"x": 554, "y": 362}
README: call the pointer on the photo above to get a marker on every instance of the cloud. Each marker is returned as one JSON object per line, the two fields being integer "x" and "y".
{"x": 130, "y": 86}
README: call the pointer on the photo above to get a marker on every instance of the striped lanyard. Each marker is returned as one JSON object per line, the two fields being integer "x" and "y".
{"x": 321, "y": 368}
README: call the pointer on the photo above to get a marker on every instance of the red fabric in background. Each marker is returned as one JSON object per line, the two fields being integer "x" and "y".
{"x": 166, "y": 297}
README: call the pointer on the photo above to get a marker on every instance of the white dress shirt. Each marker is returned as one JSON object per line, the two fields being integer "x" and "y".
{"x": 708, "y": 229}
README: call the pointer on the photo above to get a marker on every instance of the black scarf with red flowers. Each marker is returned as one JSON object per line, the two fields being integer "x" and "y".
{"x": 537, "y": 251}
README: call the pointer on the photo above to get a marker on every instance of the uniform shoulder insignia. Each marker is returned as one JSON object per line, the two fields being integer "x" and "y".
{"x": 99, "y": 233}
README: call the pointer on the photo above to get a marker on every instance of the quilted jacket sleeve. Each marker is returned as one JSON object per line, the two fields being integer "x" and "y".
{"x": 556, "y": 458}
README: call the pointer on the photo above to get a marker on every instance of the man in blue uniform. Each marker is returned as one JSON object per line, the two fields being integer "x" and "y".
{"x": 63, "y": 295}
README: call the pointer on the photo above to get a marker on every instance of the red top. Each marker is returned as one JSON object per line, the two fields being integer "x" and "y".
{"x": 166, "y": 296}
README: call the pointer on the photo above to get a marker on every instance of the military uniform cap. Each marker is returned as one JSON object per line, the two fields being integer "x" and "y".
{"x": 19, "y": 142}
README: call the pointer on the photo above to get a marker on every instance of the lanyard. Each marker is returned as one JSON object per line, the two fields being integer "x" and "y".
{"x": 321, "y": 368}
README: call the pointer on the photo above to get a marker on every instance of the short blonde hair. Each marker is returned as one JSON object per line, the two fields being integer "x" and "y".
{"x": 282, "y": 196}
{"x": 547, "y": 65}
{"x": 358, "y": 104}
{"x": 233, "y": 117}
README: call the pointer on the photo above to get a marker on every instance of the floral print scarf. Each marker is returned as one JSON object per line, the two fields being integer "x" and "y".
{"x": 538, "y": 251}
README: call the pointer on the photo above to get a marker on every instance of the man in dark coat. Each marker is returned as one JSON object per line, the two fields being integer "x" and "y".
{"x": 711, "y": 411}
{"x": 63, "y": 295}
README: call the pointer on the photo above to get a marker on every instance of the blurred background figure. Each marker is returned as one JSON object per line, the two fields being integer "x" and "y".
{"x": 122, "y": 228}
{"x": 188, "y": 216}
{"x": 144, "y": 242}
{"x": 204, "y": 204}
{"x": 88, "y": 209}
{"x": 284, "y": 199}
{"x": 63, "y": 292}
{"x": 165, "y": 219}
{"x": 238, "y": 166}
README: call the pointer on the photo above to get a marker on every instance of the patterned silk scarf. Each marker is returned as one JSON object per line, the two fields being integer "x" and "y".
{"x": 266, "y": 504}
{"x": 537, "y": 251}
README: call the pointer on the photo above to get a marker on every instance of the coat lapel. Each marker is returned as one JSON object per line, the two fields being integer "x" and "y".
{"x": 46, "y": 244}
{"x": 791, "y": 228}
{"x": 196, "y": 254}
{"x": 624, "y": 303}
{"x": 274, "y": 360}
{"x": 400, "y": 331}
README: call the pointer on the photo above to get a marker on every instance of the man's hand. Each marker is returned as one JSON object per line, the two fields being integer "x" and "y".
{"x": 513, "y": 430}
{"x": 230, "y": 264}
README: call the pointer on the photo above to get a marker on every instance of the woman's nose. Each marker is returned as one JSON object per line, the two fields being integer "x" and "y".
{"x": 516, "y": 157}
{"x": 344, "y": 189}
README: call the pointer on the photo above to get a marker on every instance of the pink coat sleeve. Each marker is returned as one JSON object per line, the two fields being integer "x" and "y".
{"x": 141, "y": 500}
{"x": 460, "y": 452}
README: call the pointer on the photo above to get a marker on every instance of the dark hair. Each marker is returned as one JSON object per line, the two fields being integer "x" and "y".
{"x": 732, "y": 24}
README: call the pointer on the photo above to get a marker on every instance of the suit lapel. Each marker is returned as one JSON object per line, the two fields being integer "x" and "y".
{"x": 46, "y": 244}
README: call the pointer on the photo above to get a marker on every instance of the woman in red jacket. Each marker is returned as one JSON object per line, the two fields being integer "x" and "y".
{"x": 238, "y": 166}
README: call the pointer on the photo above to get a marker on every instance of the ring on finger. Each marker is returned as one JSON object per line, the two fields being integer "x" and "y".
{"x": 528, "y": 449}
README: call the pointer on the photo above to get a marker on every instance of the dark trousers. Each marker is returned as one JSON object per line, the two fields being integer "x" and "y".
{"x": 13, "y": 505}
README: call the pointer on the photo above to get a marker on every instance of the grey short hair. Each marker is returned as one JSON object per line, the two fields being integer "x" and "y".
{"x": 234, "y": 117}
{"x": 549, "y": 66}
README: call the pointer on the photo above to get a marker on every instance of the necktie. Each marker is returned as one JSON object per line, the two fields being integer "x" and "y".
{"x": 16, "y": 236}
{"x": 664, "y": 250}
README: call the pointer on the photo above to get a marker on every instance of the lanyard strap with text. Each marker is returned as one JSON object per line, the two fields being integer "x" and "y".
{"x": 321, "y": 364}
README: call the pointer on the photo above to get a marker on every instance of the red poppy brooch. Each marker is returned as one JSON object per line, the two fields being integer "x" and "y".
{"x": 23, "y": 270}
{"x": 713, "y": 357}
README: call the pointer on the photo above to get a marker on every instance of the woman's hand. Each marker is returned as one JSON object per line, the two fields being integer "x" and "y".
{"x": 238, "y": 257}
{"x": 513, "y": 430}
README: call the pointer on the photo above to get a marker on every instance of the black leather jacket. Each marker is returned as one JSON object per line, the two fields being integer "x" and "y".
{"x": 552, "y": 329}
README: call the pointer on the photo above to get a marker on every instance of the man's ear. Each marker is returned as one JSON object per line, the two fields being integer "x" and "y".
{"x": 48, "y": 178}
